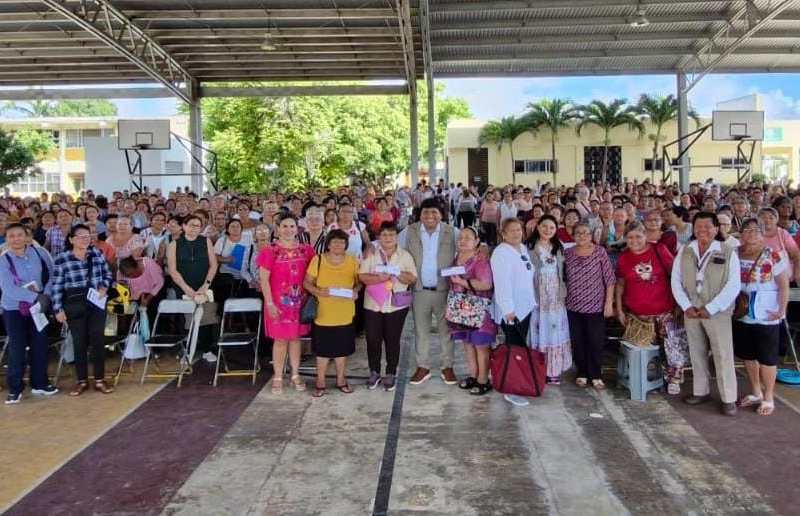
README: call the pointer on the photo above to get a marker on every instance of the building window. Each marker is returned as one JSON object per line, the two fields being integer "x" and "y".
{"x": 648, "y": 164}
{"x": 74, "y": 138}
{"x": 44, "y": 182}
{"x": 108, "y": 132}
{"x": 732, "y": 163}
{"x": 91, "y": 133}
{"x": 533, "y": 166}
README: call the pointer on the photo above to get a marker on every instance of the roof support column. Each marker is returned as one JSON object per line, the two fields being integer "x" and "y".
{"x": 431, "y": 133}
{"x": 683, "y": 130}
{"x": 424, "y": 21}
{"x": 196, "y": 137}
{"x": 414, "y": 135}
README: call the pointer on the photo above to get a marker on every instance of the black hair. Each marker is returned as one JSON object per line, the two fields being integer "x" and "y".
{"x": 710, "y": 216}
{"x": 683, "y": 213}
{"x": 555, "y": 243}
{"x": 74, "y": 229}
{"x": 16, "y": 225}
{"x": 228, "y": 225}
{"x": 192, "y": 217}
{"x": 336, "y": 234}
{"x": 388, "y": 225}
{"x": 128, "y": 264}
{"x": 430, "y": 202}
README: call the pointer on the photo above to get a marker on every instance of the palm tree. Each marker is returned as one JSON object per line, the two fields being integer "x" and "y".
{"x": 553, "y": 114}
{"x": 34, "y": 108}
{"x": 659, "y": 111}
{"x": 608, "y": 117}
{"x": 500, "y": 132}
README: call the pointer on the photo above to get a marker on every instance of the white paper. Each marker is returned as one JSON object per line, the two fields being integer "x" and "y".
{"x": 454, "y": 271}
{"x": 392, "y": 270}
{"x": 94, "y": 297}
{"x": 341, "y": 292}
{"x": 766, "y": 301}
{"x": 33, "y": 286}
{"x": 567, "y": 245}
{"x": 39, "y": 320}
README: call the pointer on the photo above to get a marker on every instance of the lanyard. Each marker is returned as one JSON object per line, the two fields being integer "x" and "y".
{"x": 701, "y": 267}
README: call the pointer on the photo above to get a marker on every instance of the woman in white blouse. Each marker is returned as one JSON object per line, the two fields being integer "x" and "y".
{"x": 512, "y": 273}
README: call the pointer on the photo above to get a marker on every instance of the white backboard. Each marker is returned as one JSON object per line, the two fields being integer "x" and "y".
{"x": 737, "y": 125}
{"x": 143, "y": 134}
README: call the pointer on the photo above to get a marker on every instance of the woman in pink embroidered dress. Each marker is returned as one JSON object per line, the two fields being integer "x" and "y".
{"x": 282, "y": 268}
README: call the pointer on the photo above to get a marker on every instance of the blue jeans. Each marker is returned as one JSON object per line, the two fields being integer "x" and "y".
{"x": 21, "y": 334}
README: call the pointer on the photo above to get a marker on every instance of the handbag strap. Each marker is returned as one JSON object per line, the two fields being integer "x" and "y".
{"x": 45, "y": 277}
{"x": 756, "y": 263}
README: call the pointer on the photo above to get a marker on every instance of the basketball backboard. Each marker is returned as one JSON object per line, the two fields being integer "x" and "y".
{"x": 143, "y": 134}
{"x": 737, "y": 125}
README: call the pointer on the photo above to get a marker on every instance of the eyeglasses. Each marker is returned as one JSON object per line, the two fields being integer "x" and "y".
{"x": 526, "y": 261}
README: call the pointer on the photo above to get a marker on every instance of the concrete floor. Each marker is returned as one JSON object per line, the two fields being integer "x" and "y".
{"x": 572, "y": 452}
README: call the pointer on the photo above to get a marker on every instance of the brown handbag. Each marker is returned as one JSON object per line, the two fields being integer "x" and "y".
{"x": 641, "y": 332}
{"x": 742, "y": 305}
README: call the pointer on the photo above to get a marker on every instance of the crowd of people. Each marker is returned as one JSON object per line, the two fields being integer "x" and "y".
{"x": 547, "y": 267}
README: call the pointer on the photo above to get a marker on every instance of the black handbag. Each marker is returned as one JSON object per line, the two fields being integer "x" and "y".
{"x": 75, "y": 303}
{"x": 309, "y": 310}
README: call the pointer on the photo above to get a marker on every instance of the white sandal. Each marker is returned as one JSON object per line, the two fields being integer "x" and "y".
{"x": 766, "y": 408}
{"x": 750, "y": 400}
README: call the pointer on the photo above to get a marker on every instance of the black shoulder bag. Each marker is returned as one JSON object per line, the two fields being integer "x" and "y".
{"x": 309, "y": 310}
{"x": 75, "y": 301}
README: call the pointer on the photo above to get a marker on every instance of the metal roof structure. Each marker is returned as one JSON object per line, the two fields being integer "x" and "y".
{"x": 50, "y": 42}
{"x": 189, "y": 45}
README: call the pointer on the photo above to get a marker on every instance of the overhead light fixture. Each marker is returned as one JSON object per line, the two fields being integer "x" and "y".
{"x": 269, "y": 44}
{"x": 639, "y": 19}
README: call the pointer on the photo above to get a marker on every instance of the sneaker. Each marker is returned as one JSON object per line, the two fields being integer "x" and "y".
{"x": 209, "y": 357}
{"x": 516, "y": 400}
{"x": 420, "y": 375}
{"x": 47, "y": 390}
{"x": 374, "y": 380}
{"x": 13, "y": 399}
{"x": 449, "y": 376}
{"x": 389, "y": 383}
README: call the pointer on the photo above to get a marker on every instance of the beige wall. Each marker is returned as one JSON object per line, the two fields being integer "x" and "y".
{"x": 569, "y": 152}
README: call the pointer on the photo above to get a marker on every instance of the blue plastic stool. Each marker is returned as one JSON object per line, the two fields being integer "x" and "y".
{"x": 632, "y": 368}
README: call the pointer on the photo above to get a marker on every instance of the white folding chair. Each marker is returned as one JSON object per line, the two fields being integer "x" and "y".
{"x": 232, "y": 339}
{"x": 183, "y": 341}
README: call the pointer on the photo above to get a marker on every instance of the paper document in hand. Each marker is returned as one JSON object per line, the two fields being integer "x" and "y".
{"x": 454, "y": 271}
{"x": 341, "y": 292}
{"x": 96, "y": 299}
{"x": 39, "y": 320}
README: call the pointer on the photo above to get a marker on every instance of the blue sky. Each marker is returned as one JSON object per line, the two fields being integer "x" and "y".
{"x": 493, "y": 98}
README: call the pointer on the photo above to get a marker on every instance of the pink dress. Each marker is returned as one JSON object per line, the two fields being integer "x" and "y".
{"x": 287, "y": 269}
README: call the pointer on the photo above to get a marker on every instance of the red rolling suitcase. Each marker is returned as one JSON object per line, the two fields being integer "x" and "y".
{"x": 518, "y": 370}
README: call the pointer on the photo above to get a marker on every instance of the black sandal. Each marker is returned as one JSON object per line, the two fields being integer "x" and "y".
{"x": 480, "y": 389}
{"x": 468, "y": 383}
{"x": 345, "y": 389}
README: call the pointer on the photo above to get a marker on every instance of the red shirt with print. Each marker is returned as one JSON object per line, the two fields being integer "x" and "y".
{"x": 647, "y": 281}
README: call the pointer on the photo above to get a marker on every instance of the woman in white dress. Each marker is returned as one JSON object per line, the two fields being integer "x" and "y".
{"x": 549, "y": 328}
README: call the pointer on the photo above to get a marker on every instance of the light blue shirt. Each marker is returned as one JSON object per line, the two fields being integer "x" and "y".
{"x": 429, "y": 268}
{"x": 29, "y": 268}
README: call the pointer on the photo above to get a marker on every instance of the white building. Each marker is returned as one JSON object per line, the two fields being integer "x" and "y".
{"x": 86, "y": 157}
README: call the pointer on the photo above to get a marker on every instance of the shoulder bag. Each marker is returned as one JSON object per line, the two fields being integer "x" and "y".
{"x": 400, "y": 299}
{"x": 309, "y": 310}
{"x": 466, "y": 308}
{"x": 742, "y": 305}
{"x": 639, "y": 331}
{"x": 75, "y": 303}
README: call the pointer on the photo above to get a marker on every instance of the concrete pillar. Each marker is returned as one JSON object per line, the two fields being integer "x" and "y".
{"x": 196, "y": 136}
{"x": 683, "y": 130}
{"x": 431, "y": 131}
{"x": 414, "y": 136}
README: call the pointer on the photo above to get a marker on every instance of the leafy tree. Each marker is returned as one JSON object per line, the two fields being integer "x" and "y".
{"x": 502, "y": 132}
{"x": 553, "y": 115}
{"x": 659, "y": 111}
{"x": 20, "y": 152}
{"x": 608, "y": 117}
{"x": 63, "y": 108}
{"x": 297, "y": 142}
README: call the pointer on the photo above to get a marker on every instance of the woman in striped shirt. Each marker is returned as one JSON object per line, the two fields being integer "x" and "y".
{"x": 590, "y": 300}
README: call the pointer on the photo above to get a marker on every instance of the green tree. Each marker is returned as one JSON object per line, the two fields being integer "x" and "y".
{"x": 608, "y": 117}
{"x": 20, "y": 152}
{"x": 62, "y": 108}
{"x": 293, "y": 143}
{"x": 659, "y": 111}
{"x": 553, "y": 115}
{"x": 502, "y": 132}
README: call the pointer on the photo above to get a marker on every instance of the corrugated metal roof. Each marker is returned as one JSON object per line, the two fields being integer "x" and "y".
{"x": 224, "y": 40}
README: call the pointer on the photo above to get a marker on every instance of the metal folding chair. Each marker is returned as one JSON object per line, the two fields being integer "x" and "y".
{"x": 185, "y": 342}
{"x": 231, "y": 339}
{"x": 121, "y": 343}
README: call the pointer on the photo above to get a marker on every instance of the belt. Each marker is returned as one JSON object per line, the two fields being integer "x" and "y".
{"x": 429, "y": 288}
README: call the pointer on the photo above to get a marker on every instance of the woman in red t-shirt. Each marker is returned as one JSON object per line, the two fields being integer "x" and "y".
{"x": 643, "y": 290}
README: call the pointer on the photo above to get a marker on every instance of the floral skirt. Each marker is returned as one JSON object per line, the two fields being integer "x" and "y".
{"x": 674, "y": 344}
{"x": 549, "y": 333}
